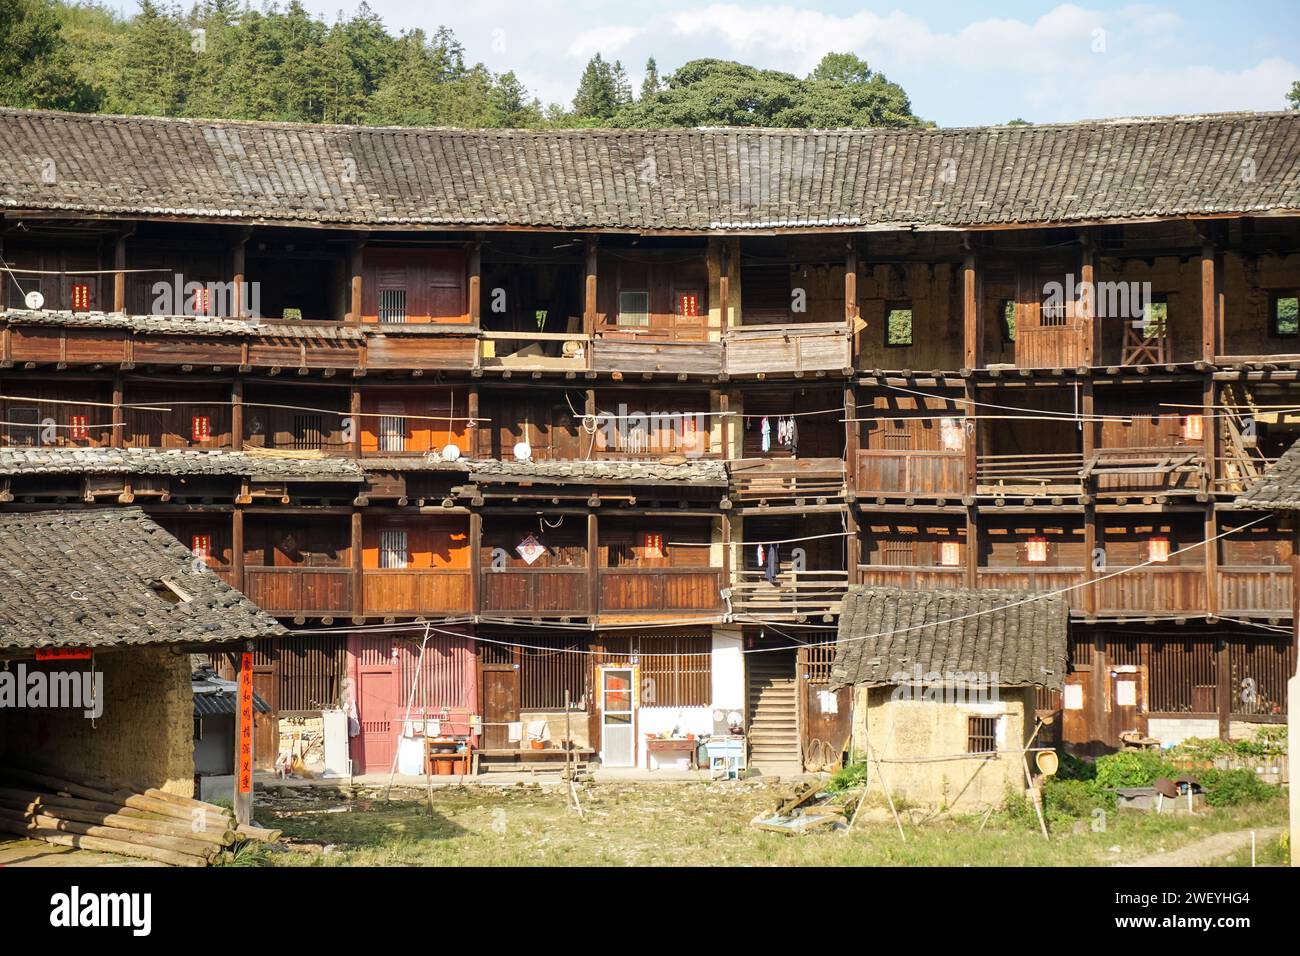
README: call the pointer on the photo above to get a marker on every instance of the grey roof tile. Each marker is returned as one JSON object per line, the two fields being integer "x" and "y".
{"x": 98, "y": 578}
{"x": 705, "y": 179}
{"x": 1278, "y": 489}
{"x": 175, "y": 461}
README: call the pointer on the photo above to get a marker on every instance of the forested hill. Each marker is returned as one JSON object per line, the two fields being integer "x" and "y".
{"x": 221, "y": 60}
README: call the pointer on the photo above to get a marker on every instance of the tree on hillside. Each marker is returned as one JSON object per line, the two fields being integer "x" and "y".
{"x": 152, "y": 68}
{"x": 652, "y": 84}
{"x": 1294, "y": 96}
{"x": 36, "y": 62}
{"x": 602, "y": 91}
{"x": 841, "y": 92}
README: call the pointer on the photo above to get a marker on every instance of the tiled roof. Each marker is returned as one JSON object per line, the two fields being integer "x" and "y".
{"x": 169, "y": 461}
{"x": 1278, "y": 489}
{"x": 679, "y": 179}
{"x": 100, "y": 578}
{"x": 885, "y": 632}
{"x": 702, "y": 471}
{"x": 181, "y": 324}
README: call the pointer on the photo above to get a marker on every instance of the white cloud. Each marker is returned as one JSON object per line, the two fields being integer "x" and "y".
{"x": 603, "y": 40}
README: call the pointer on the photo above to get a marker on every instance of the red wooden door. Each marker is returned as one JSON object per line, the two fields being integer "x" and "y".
{"x": 500, "y": 705}
{"x": 378, "y": 710}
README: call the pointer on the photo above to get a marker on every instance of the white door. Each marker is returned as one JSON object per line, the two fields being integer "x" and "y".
{"x": 617, "y": 717}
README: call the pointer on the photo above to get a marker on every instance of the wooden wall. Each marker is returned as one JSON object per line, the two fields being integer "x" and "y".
{"x": 434, "y": 280}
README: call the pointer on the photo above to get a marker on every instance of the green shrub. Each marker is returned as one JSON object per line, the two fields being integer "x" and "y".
{"x": 1133, "y": 768}
{"x": 849, "y": 777}
{"x": 1075, "y": 798}
{"x": 1233, "y": 788}
{"x": 1076, "y": 768}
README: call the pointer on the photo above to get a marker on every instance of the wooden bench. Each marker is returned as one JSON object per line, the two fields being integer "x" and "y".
{"x": 526, "y": 758}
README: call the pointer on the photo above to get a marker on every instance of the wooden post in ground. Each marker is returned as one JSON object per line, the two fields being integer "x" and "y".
{"x": 243, "y": 796}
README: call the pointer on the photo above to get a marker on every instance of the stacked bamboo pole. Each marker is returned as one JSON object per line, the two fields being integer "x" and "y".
{"x": 151, "y": 825}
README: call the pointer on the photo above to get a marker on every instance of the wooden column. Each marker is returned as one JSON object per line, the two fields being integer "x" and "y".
{"x": 972, "y": 438}
{"x": 971, "y": 571}
{"x": 237, "y": 548}
{"x": 358, "y": 596}
{"x": 593, "y": 565}
{"x": 237, "y": 413}
{"x": 724, "y": 282}
{"x": 1091, "y": 324}
{"x": 475, "y": 561}
{"x": 119, "y": 275}
{"x": 972, "y": 326}
{"x": 115, "y": 437}
{"x": 354, "y": 410}
{"x": 471, "y": 427}
{"x": 1210, "y": 431}
{"x": 356, "y": 264}
{"x": 589, "y": 287}
{"x": 1100, "y": 691}
{"x": 852, "y": 442}
{"x": 851, "y": 285}
{"x": 1209, "y": 305}
{"x": 1088, "y": 444}
{"x": 1211, "y": 549}
{"x": 245, "y": 738}
{"x": 238, "y": 262}
{"x": 475, "y": 304}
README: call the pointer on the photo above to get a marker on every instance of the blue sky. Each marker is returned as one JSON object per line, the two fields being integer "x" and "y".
{"x": 962, "y": 63}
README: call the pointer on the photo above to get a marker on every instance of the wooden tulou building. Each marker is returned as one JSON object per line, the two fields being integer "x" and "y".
{"x": 607, "y": 410}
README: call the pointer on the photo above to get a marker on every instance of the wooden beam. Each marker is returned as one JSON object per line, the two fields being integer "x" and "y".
{"x": 238, "y": 265}
{"x": 475, "y": 561}
{"x": 356, "y": 263}
{"x": 851, "y": 285}
{"x": 589, "y": 286}
{"x": 358, "y": 598}
{"x": 1091, "y": 324}
{"x": 237, "y": 549}
{"x": 593, "y": 565}
{"x": 972, "y": 327}
{"x": 237, "y": 413}
{"x": 1209, "y": 305}
{"x": 475, "y": 281}
{"x": 115, "y": 438}
{"x": 119, "y": 276}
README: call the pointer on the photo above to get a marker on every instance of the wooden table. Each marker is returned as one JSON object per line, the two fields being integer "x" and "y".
{"x": 673, "y": 745}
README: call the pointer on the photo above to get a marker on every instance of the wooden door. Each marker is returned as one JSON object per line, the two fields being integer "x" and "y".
{"x": 500, "y": 705}
{"x": 1076, "y": 706}
{"x": 378, "y": 707}
{"x": 1126, "y": 701}
{"x": 266, "y": 727}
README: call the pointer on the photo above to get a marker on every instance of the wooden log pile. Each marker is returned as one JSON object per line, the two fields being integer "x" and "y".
{"x": 150, "y": 824}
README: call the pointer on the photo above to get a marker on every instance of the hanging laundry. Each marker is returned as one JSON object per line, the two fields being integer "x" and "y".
{"x": 766, "y": 428}
{"x": 773, "y": 566}
{"x": 761, "y": 555}
{"x": 794, "y": 435}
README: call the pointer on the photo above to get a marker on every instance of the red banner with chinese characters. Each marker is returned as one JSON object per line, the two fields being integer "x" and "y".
{"x": 246, "y": 723}
{"x": 63, "y": 653}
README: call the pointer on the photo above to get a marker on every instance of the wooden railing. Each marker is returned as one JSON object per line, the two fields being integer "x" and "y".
{"x": 1152, "y": 590}
{"x": 1146, "y": 470}
{"x": 300, "y": 590}
{"x": 933, "y": 473}
{"x": 626, "y": 349}
{"x": 541, "y": 592}
{"x": 801, "y": 594}
{"x": 792, "y": 347}
{"x": 1263, "y": 590}
{"x": 913, "y": 578}
{"x": 506, "y": 350}
{"x": 1050, "y": 474}
{"x": 1051, "y": 346}
{"x": 416, "y": 591}
{"x": 625, "y": 590}
{"x": 781, "y": 479}
{"x": 1038, "y": 579}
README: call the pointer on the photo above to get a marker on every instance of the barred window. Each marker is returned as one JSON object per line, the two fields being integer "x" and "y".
{"x": 392, "y": 427}
{"x": 981, "y": 735}
{"x": 392, "y": 305}
{"x": 393, "y": 551}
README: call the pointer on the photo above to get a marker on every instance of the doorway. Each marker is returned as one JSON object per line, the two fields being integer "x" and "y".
{"x": 617, "y": 717}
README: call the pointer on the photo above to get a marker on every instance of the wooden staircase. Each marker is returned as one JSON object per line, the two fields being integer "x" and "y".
{"x": 773, "y": 714}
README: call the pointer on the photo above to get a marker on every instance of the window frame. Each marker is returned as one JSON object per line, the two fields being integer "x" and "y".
{"x": 900, "y": 305}
{"x": 1274, "y": 300}
{"x": 622, "y": 321}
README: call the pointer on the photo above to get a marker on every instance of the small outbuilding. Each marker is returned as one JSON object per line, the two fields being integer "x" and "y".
{"x": 944, "y": 686}
{"x": 99, "y": 612}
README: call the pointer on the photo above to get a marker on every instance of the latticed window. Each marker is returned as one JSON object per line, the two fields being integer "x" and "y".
{"x": 981, "y": 735}
{"x": 392, "y": 305}
{"x": 393, "y": 548}
{"x": 392, "y": 428}
{"x": 897, "y": 552}
{"x": 634, "y": 308}
{"x": 308, "y": 432}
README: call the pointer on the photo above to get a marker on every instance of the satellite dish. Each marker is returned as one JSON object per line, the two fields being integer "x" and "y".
{"x": 34, "y": 300}
{"x": 523, "y": 451}
{"x": 451, "y": 453}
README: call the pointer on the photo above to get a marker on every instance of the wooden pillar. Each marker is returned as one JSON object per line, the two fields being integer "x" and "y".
{"x": 475, "y": 561}
{"x": 972, "y": 439}
{"x": 851, "y": 285}
{"x": 1210, "y": 424}
{"x": 356, "y": 264}
{"x": 237, "y": 413}
{"x": 852, "y": 438}
{"x": 238, "y": 262}
{"x": 589, "y": 287}
{"x": 593, "y": 566}
{"x": 1091, "y": 324}
{"x": 471, "y": 427}
{"x": 354, "y": 410}
{"x": 972, "y": 326}
{"x": 1209, "y": 305}
{"x": 237, "y": 548}
{"x": 115, "y": 436}
{"x": 1099, "y": 697}
{"x": 971, "y": 571}
{"x": 119, "y": 274}
{"x": 358, "y": 595}
{"x": 1088, "y": 444}
{"x": 475, "y": 303}
{"x": 244, "y": 737}
{"x": 724, "y": 283}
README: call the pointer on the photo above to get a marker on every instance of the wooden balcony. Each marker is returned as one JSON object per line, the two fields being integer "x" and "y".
{"x": 418, "y": 591}
{"x": 1259, "y": 591}
{"x": 794, "y": 595}
{"x": 659, "y": 590}
{"x": 655, "y": 350}
{"x": 911, "y": 473}
{"x": 1062, "y": 346}
{"x": 1146, "y": 471}
{"x": 541, "y": 592}
{"x": 1030, "y": 475}
{"x": 308, "y": 591}
{"x": 535, "y": 351}
{"x": 784, "y": 481}
{"x": 1038, "y": 579}
{"x": 794, "y": 347}
{"x": 912, "y": 578}
{"x": 1152, "y": 591}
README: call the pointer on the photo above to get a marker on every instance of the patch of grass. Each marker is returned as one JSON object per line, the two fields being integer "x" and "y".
{"x": 650, "y": 824}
